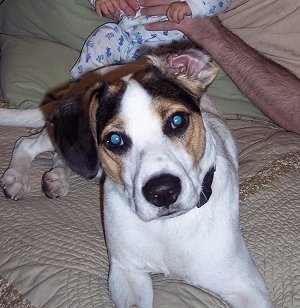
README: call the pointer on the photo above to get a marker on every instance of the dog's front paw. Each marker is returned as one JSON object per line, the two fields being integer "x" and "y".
{"x": 15, "y": 184}
{"x": 55, "y": 183}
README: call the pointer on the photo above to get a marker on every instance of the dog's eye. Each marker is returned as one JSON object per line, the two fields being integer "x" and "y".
{"x": 176, "y": 124}
{"x": 115, "y": 139}
{"x": 117, "y": 142}
{"x": 177, "y": 121}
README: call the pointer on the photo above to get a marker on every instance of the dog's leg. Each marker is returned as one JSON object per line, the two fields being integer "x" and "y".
{"x": 55, "y": 182}
{"x": 15, "y": 182}
{"x": 130, "y": 287}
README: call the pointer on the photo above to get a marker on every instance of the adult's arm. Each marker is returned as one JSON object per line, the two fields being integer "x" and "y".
{"x": 271, "y": 87}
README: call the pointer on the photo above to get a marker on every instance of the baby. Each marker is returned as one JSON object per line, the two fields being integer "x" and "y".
{"x": 115, "y": 43}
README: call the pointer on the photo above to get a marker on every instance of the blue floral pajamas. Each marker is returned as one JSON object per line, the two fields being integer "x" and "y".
{"x": 121, "y": 42}
{"x": 125, "y": 41}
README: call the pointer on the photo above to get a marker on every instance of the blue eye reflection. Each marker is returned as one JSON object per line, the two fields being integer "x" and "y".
{"x": 176, "y": 124}
{"x": 117, "y": 142}
{"x": 115, "y": 139}
{"x": 177, "y": 120}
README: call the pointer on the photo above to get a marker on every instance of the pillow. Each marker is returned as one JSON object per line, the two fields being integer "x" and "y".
{"x": 68, "y": 22}
{"x": 40, "y": 41}
{"x": 31, "y": 67}
{"x": 33, "y": 28}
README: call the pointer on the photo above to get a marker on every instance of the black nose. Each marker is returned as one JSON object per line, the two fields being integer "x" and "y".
{"x": 162, "y": 190}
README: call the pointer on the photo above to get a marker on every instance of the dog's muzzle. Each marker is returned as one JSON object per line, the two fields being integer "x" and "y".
{"x": 162, "y": 190}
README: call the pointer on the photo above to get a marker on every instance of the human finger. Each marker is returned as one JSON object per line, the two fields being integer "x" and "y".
{"x": 172, "y": 14}
{"x": 108, "y": 9}
{"x": 181, "y": 15}
{"x": 129, "y": 7}
{"x": 114, "y": 9}
{"x": 154, "y": 10}
{"x": 115, "y": 4}
{"x": 197, "y": 30}
{"x": 149, "y": 3}
{"x": 98, "y": 9}
{"x": 162, "y": 26}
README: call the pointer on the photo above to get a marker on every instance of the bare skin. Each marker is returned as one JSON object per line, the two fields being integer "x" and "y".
{"x": 111, "y": 9}
{"x": 272, "y": 88}
{"x": 178, "y": 10}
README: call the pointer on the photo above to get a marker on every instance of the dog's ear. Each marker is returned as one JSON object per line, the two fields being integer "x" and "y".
{"x": 191, "y": 67}
{"x": 69, "y": 125}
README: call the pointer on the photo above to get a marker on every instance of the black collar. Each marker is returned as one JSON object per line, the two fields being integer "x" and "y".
{"x": 206, "y": 187}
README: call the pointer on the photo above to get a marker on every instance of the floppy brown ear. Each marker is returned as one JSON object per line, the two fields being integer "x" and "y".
{"x": 69, "y": 126}
{"x": 191, "y": 67}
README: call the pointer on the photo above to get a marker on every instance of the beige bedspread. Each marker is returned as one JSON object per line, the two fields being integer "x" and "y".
{"x": 53, "y": 251}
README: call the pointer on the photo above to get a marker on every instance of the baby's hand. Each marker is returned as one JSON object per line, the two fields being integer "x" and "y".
{"x": 108, "y": 8}
{"x": 129, "y": 7}
{"x": 177, "y": 11}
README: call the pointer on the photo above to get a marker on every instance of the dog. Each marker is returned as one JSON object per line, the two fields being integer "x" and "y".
{"x": 171, "y": 191}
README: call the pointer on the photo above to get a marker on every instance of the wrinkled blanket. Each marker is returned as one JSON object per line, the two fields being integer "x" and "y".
{"x": 53, "y": 251}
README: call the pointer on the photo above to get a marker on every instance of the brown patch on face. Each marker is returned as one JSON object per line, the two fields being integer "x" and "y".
{"x": 92, "y": 115}
{"x": 144, "y": 76}
{"x": 112, "y": 163}
{"x": 99, "y": 97}
{"x": 93, "y": 103}
{"x": 193, "y": 138}
{"x": 195, "y": 86}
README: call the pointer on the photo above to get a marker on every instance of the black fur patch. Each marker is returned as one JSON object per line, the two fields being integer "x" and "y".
{"x": 109, "y": 106}
{"x": 160, "y": 86}
{"x": 72, "y": 134}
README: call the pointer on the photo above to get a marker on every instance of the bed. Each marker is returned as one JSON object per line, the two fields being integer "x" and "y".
{"x": 52, "y": 251}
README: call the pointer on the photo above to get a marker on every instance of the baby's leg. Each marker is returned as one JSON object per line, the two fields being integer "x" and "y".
{"x": 102, "y": 48}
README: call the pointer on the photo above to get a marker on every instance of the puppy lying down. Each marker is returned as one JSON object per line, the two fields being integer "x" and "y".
{"x": 171, "y": 191}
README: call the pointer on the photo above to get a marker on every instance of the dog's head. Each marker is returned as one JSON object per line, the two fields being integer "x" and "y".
{"x": 145, "y": 131}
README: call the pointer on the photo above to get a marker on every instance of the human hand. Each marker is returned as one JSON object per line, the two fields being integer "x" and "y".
{"x": 108, "y": 8}
{"x": 177, "y": 11}
{"x": 204, "y": 32}
{"x": 160, "y": 8}
{"x": 207, "y": 33}
{"x": 129, "y": 7}
{"x": 155, "y": 7}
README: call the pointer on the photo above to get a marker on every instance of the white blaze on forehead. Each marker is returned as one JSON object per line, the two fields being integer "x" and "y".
{"x": 141, "y": 122}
